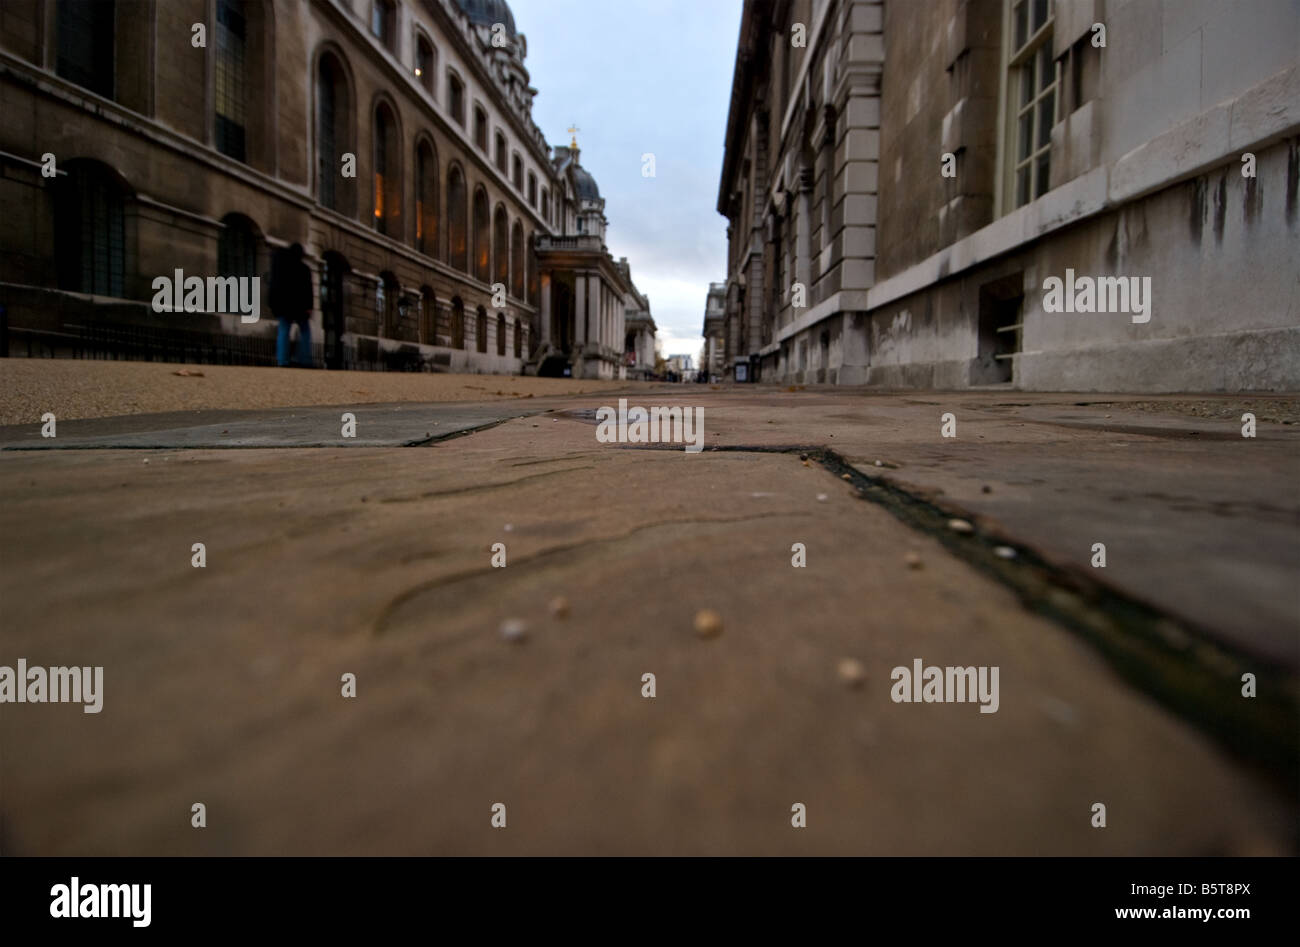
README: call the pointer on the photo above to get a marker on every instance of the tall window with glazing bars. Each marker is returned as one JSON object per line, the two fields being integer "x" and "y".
{"x": 231, "y": 86}
{"x": 1032, "y": 82}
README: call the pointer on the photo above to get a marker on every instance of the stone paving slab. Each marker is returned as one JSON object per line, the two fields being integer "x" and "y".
{"x": 377, "y": 425}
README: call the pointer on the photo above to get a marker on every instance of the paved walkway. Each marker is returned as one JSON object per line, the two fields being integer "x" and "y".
{"x": 222, "y": 684}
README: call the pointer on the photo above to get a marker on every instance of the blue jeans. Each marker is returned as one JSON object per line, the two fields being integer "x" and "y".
{"x": 282, "y": 344}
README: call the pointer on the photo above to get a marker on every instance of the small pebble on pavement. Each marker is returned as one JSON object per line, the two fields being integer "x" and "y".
{"x": 852, "y": 672}
{"x": 708, "y": 623}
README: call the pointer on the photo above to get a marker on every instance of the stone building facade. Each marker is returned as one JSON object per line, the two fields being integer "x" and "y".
{"x": 715, "y": 312}
{"x": 393, "y": 139}
{"x": 903, "y": 180}
{"x": 638, "y": 329}
{"x": 583, "y": 288}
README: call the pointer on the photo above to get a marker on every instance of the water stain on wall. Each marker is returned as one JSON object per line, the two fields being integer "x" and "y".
{"x": 1220, "y": 207}
{"x": 1292, "y": 178}
{"x": 1198, "y": 208}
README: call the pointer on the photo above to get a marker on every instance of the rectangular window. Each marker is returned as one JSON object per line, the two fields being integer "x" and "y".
{"x": 86, "y": 40}
{"x": 230, "y": 80}
{"x": 424, "y": 63}
{"x": 456, "y": 99}
{"x": 480, "y": 128}
{"x": 382, "y": 15}
{"x": 1033, "y": 82}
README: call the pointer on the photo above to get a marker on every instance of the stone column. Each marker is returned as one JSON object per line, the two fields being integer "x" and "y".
{"x": 856, "y": 97}
{"x": 593, "y": 305}
{"x": 604, "y": 315}
{"x": 546, "y": 307}
{"x": 803, "y": 236}
{"x": 580, "y": 309}
{"x": 620, "y": 327}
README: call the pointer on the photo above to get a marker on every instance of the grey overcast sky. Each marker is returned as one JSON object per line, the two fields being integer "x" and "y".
{"x": 637, "y": 77}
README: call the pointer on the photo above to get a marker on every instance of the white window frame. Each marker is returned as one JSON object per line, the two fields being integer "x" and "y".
{"x": 1015, "y": 61}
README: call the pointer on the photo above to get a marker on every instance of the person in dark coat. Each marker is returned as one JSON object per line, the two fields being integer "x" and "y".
{"x": 291, "y": 303}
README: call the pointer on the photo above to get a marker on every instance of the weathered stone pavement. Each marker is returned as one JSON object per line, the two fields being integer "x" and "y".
{"x": 222, "y": 685}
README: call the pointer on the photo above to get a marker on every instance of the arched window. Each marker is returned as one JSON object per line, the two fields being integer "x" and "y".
{"x": 517, "y": 261}
{"x": 388, "y": 173}
{"x": 532, "y": 190}
{"x": 237, "y": 247}
{"x": 501, "y": 152}
{"x": 480, "y": 128}
{"x": 457, "y": 232}
{"x": 426, "y": 199}
{"x": 501, "y": 334}
{"x": 387, "y": 296}
{"x": 546, "y": 205}
{"x": 482, "y": 270}
{"x": 90, "y": 230}
{"x": 333, "y": 134}
{"x": 499, "y": 248}
{"x": 519, "y": 338}
{"x": 517, "y": 172}
{"x": 231, "y": 80}
{"x": 86, "y": 39}
{"x": 530, "y": 266}
{"x": 428, "y": 316}
{"x": 457, "y": 323}
{"x": 426, "y": 62}
{"x": 480, "y": 329}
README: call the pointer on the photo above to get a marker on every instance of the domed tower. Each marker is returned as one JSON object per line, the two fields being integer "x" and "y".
{"x": 588, "y": 207}
{"x": 488, "y": 12}
{"x": 584, "y": 292}
{"x": 506, "y": 47}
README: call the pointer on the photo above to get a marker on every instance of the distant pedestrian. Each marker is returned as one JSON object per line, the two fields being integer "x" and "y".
{"x": 291, "y": 299}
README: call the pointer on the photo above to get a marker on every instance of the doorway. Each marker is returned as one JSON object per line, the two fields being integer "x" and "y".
{"x": 1000, "y": 305}
{"x": 334, "y": 269}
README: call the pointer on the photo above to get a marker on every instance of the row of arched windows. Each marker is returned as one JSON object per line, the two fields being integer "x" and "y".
{"x": 90, "y": 211}
{"x": 515, "y": 328}
{"x": 471, "y": 237}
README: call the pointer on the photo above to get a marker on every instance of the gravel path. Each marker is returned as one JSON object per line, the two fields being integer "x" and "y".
{"x": 95, "y": 389}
